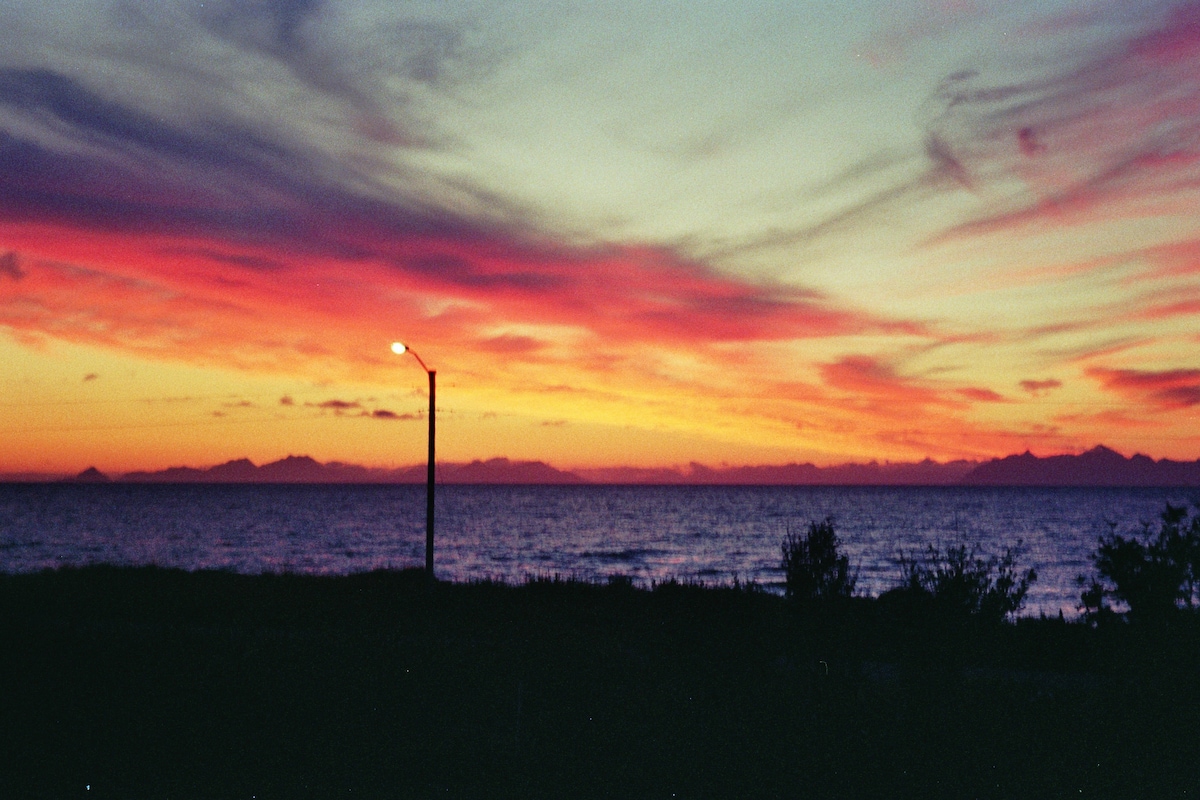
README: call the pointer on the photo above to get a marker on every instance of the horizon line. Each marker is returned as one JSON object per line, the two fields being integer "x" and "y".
{"x": 294, "y": 469}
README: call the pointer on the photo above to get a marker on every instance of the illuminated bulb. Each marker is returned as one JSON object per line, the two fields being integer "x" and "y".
{"x": 398, "y": 348}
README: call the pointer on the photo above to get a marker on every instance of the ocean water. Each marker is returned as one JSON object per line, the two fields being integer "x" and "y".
{"x": 712, "y": 534}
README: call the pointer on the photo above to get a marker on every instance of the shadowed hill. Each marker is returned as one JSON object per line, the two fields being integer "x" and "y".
{"x": 90, "y": 475}
{"x": 1099, "y": 466}
{"x": 304, "y": 469}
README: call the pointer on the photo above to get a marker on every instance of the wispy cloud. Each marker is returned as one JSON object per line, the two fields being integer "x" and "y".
{"x": 1115, "y": 133}
{"x": 10, "y": 266}
{"x": 225, "y": 203}
{"x": 981, "y": 395}
{"x": 1038, "y": 388}
{"x": 875, "y": 386}
{"x": 383, "y": 413}
{"x": 337, "y": 405}
{"x": 1167, "y": 389}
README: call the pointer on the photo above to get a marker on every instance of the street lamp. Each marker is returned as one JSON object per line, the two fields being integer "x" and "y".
{"x": 399, "y": 348}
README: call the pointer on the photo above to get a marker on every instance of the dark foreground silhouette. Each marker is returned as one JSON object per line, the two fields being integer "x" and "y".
{"x": 132, "y": 683}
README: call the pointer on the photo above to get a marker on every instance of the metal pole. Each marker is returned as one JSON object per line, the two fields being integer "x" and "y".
{"x": 429, "y": 478}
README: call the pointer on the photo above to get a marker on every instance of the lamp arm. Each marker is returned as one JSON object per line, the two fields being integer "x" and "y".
{"x": 419, "y": 360}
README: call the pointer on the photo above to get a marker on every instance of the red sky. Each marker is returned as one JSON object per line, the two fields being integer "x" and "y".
{"x": 731, "y": 234}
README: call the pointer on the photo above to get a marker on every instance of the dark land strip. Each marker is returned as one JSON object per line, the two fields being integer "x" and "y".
{"x": 155, "y": 683}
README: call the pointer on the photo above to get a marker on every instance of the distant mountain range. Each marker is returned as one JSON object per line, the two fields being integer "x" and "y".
{"x": 1099, "y": 466}
{"x": 303, "y": 469}
{"x": 922, "y": 473}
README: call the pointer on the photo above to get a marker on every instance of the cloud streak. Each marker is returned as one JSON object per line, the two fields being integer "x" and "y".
{"x": 10, "y": 267}
{"x": 1117, "y": 133}
{"x": 227, "y": 201}
{"x": 1040, "y": 388}
{"x": 1167, "y": 389}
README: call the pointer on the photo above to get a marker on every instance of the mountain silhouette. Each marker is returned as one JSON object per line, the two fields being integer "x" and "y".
{"x": 922, "y": 473}
{"x": 237, "y": 471}
{"x": 501, "y": 470}
{"x": 305, "y": 469}
{"x": 90, "y": 475}
{"x": 1099, "y": 466}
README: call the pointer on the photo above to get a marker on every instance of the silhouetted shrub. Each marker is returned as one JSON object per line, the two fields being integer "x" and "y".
{"x": 1152, "y": 578}
{"x": 960, "y": 580}
{"x": 813, "y": 567}
{"x": 619, "y": 582}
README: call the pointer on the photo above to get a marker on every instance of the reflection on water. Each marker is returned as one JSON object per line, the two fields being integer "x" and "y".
{"x": 650, "y": 533}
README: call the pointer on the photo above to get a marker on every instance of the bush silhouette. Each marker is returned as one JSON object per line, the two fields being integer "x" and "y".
{"x": 962, "y": 581}
{"x": 1152, "y": 578}
{"x": 813, "y": 567}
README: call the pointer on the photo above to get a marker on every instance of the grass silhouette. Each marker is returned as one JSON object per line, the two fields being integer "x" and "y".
{"x": 149, "y": 682}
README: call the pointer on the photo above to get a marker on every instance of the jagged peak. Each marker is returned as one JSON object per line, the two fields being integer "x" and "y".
{"x": 296, "y": 460}
{"x": 91, "y": 475}
{"x": 1101, "y": 450}
{"x": 237, "y": 462}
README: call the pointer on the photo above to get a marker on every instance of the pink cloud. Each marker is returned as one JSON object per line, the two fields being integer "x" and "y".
{"x": 1175, "y": 259}
{"x": 1114, "y": 135}
{"x": 981, "y": 395}
{"x": 1039, "y": 388}
{"x": 1182, "y": 308}
{"x": 876, "y": 387}
{"x": 238, "y": 244}
{"x": 1168, "y": 389}
{"x": 1177, "y": 40}
{"x": 249, "y": 305}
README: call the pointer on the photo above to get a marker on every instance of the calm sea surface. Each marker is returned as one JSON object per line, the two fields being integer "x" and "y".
{"x": 650, "y": 533}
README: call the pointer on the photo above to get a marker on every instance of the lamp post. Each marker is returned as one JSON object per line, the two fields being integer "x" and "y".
{"x": 399, "y": 348}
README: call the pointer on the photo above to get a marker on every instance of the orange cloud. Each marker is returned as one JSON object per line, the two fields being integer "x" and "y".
{"x": 1168, "y": 390}
{"x": 982, "y": 395}
{"x": 874, "y": 386}
{"x": 217, "y": 300}
{"x": 1176, "y": 259}
{"x": 1189, "y": 307}
{"x": 1039, "y": 388}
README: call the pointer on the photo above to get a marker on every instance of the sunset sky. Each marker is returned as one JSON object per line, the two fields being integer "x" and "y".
{"x": 633, "y": 233}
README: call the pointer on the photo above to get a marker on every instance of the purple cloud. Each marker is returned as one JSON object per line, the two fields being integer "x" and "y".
{"x": 10, "y": 266}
